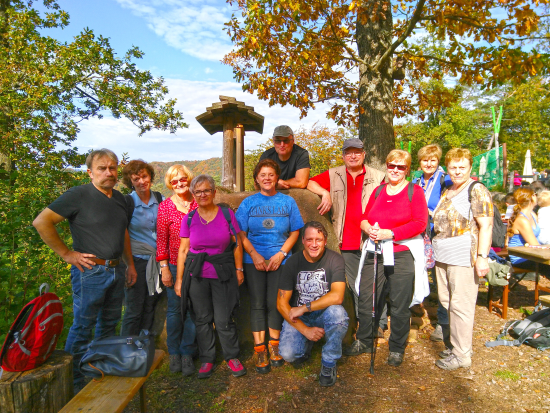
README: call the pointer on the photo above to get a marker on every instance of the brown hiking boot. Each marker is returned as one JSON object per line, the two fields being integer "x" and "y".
{"x": 262, "y": 361}
{"x": 274, "y": 356}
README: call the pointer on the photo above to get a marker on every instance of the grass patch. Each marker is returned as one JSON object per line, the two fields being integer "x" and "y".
{"x": 525, "y": 311}
{"x": 507, "y": 375}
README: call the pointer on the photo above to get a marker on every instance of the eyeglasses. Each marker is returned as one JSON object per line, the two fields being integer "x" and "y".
{"x": 349, "y": 154}
{"x": 174, "y": 182}
{"x": 206, "y": 192}
{"x": 391, "y": 166}
{"x": 280, "y": 141}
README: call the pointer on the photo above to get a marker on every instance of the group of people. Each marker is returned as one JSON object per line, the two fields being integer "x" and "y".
{"x": 133, "y": 248}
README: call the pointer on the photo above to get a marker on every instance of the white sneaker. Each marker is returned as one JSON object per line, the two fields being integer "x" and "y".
{"x": 447, "y": 352}
{"x": 437, "y": 334}
{"x": 453, "y": 362}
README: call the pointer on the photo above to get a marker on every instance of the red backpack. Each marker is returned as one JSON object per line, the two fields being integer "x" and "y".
{"x": 34, "y": 333}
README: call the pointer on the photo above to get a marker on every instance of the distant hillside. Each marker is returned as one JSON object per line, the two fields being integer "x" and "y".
{"x": 212, "y": 167}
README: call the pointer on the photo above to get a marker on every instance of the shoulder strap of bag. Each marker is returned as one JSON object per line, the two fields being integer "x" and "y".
{"x": 410, "y": 190}
{"x": 227, "y": 217}
{"x": 130, "y": 206}
{"x": 158, "y": 196}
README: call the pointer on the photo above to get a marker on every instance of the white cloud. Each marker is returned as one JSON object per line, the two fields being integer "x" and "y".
{"x": 208, "y": 70}
{"x": 194, "y": 27}
{"x": 192, "y": 143}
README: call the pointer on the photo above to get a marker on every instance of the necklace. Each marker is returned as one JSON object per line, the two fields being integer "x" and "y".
{"x": 205, "y": 221}
{"x": 184, "y": 205}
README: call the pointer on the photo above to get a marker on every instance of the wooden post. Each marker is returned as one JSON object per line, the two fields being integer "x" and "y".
{"x": 228, "y": 165}
{"x": 504, "y": 165}
{"x": 239, "y": 137}
{"x": 44, "y": 389}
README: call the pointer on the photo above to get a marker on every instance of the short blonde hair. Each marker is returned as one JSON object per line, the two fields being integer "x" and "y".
{"x": 399, "y": 155}
{"x": 430, "y": 151}
{"x": 543, "y": 198}
{"x": 174, "y": 171}
{"x": 456, "y": 154}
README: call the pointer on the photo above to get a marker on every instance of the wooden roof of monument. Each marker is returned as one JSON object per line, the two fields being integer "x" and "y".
{"x": 212, "y": 120}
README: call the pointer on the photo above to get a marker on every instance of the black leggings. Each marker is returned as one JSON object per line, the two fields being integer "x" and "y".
{"x": 263, "y": 287}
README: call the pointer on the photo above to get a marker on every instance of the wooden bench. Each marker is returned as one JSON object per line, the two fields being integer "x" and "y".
{"x": 112, "y": 394}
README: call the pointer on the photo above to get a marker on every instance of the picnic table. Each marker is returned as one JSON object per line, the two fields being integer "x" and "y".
{"x": 537, "y": 255}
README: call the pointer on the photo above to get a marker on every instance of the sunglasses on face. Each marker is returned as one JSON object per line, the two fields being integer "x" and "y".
{"x": 280, "y": 141}
{"x": 174, "y": 182}
{"x": 391, "y": 166}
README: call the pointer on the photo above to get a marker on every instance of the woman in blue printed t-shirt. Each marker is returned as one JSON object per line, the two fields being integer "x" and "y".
{"x": 270, "y": 223}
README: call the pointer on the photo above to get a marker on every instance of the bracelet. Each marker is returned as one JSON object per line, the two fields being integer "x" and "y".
{"x": 282, "y": 252}
{"x": 240, "y": 269}
{"x": 163, "y": 265}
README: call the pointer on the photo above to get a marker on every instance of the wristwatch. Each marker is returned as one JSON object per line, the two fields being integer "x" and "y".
{"x": 482, "y": 255}
{"x": 284, "y": 253}
{"x": 308, "y": 306}
{"x": 163, "y": 265}
{"x": 240, "y": 269}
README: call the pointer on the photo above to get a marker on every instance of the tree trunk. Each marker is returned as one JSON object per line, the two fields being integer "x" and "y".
{"x": 374, "y": 37}
{"x": 44, "y": 389}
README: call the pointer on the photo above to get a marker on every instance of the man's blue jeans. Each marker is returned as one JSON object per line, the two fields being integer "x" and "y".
{"x": 97, "y": 302}
{"x": 180, "y": 337}
{"x": 333, "y": 319}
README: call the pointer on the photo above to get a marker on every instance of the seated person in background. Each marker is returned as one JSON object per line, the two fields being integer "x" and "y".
{"x": 523, "y": 229}
{"x": 544, "y": 217}
{"x": 510, "y": 202}
{"x": 311, "y": 292}
{"x": 293, "y": 160}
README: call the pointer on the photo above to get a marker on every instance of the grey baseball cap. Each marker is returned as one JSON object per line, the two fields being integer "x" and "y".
{"x": 352, "y": 143}
{"x": 283, "y": 131}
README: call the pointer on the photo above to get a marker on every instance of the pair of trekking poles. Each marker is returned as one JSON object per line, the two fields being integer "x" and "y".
{"x": 374, "y": 302}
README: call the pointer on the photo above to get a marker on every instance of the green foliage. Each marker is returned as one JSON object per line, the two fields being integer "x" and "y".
{"x": 46, "y": 88}
{"x": 507, "y": 375}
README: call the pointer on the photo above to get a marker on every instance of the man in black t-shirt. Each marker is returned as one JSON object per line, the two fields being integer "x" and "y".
{"x": 311, "y": 292}
{"x": 293, "y": 160}
{"x": 98, "y": 219}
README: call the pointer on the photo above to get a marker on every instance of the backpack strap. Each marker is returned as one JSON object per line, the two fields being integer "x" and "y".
{"x": 410, "y": 190}
{"x": 470, "y": 190}
{"x": 442, "y": 180}
{"x": 130, "y": 206}
{"x": 157, "y": 195}
{"x": 227, "y": 217}
{"x": 499, "y": 341}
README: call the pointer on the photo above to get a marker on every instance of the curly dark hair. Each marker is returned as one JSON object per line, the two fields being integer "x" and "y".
{"x": 134, "y": 167}
{"x": 269, "y": 163}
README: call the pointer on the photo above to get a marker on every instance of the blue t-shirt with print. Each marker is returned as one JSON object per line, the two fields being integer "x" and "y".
{"x": 268, "y": 220}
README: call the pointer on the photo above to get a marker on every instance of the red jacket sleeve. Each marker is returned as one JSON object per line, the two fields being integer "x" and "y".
{"x": 419, "y": 217}
{"x": 163, "y": 234}
{"x": 323, "y": 179}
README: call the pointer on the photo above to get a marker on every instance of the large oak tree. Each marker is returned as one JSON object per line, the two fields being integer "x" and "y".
{"x": 351, "y": 54}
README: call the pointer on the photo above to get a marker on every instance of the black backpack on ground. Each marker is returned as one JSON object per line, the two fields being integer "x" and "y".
{"x": 499, "y": 229}
{"x": 131, "y": 205}
{"x": 534, "y": 331}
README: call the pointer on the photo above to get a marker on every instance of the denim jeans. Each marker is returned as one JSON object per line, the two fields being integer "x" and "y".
{"x": 333, "y": 319}
{"x": 140, "y": 306}
{"x": 97, "y": 301}
{"x": 180, "y": 335}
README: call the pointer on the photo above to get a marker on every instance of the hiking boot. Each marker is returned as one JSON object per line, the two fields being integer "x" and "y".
{"x": 327, "y": 377}
{"x": 301, "y": 360}
{"x": 276, "y": 359}
{"x": 262, "y": 361}
{"x": 237, "y": 369}
{"x": 357, "y": 348}
{"x": 448, "y": 351}
{"x": 395, "y": 359}
{"x": 437, "y": 334}
{"x": 187, "y": 366}
{"x": 175, "y": 363}
{"x": 206, "y": 370}
{"x": 453, "y": 362}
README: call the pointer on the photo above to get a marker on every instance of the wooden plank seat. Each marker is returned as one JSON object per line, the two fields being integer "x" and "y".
{"x": 112, "y": 393}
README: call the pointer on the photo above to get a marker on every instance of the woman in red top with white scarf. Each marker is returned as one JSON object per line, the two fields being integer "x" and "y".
{"x": 393, "y": 216}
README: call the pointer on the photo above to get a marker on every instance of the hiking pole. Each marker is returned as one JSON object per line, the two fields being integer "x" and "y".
{"x": 374, "y": 331}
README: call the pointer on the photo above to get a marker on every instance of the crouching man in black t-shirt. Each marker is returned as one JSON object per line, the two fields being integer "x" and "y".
{"x": 311, "y": 291}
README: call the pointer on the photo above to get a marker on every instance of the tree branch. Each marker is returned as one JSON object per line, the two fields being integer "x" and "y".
{"x": 412, "y": 23}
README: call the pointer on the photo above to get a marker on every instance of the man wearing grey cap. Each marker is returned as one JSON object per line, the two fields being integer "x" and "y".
{"x": 346, "y": 191}
{"x": 293, "y": 160}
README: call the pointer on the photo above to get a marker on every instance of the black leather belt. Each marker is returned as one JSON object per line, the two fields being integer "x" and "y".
{"x": 107, "y": 263}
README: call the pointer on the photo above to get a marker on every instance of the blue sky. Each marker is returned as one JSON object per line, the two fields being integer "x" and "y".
{"x": 183, "y": 41}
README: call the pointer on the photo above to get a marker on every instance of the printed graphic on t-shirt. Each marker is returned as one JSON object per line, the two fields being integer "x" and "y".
{"x": 311, "y": 285}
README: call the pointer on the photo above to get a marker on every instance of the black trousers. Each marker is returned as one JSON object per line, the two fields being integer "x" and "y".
{"x": 395, "y": 282}
{"x": 351, "y": 259}
{"x": 263, "y": 287}
{"x": 208, "y": 297}
{"x": 531, "y": 265}
{"x": 140, "y": 306}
